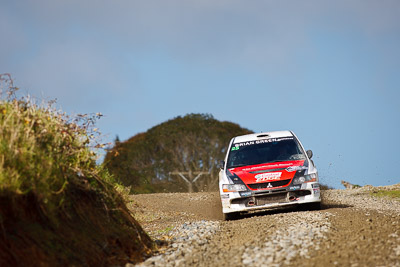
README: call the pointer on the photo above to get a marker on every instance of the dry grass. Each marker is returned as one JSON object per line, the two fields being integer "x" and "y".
{"x": 387, "y": 193}
{"x": 43, "y": 150}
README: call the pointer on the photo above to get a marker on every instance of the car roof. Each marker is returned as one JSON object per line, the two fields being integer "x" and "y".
{"x": 263, "y": 135}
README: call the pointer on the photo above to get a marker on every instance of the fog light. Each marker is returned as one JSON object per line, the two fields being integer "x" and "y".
{"x": 299, "y": 180}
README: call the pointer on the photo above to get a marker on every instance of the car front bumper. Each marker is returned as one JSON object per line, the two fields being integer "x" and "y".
{"x": 269, "y": 199}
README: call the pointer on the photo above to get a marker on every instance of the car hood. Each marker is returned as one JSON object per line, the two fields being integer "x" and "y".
{"x": 268, "y": 172}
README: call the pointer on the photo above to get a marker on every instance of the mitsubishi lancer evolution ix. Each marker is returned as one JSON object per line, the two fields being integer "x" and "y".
{"x": 267, "y": 170}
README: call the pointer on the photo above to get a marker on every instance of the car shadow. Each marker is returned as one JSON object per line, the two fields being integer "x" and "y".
{"x": 327, "y": 206}
{"x": 296, "y": 208}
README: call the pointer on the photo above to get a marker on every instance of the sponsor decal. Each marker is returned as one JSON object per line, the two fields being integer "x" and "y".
{"x": 245, "y": 194}
{"x": 245, "y": 144}
{"x": 224, "y": 196}
{"x": 296, "y": 187}
{"x": 268, "y": 170}
{"x": 235, "y": 148}
{"x": 273, "y": 140}
{"x": 249, "y": 143}
{"x": 315, "y": 185}
{"x": 270, "y": 166}
{"x": 296, "y": 168}
{"x": 268, "y": 176}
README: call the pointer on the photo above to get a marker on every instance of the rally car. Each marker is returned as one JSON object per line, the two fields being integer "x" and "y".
{"x": 267, "y": 170}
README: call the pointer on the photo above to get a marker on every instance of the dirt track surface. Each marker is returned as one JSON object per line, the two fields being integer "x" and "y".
{"x": 352, "y": 229}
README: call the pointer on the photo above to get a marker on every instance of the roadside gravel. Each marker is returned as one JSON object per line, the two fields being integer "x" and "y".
{"x": 360, "y": 198}
{"x": 352, "y": 229}
{"x": 184, "y": 240}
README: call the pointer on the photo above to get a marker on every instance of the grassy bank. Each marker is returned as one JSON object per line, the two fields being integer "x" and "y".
{"x": 387, "y": 193}
{"x": 56, "y": 205}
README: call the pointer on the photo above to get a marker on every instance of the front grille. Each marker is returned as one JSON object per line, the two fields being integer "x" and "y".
{"x": 265, "y": 185}
{"x": 276, "y": 198}
{"x": 262, "y": 200}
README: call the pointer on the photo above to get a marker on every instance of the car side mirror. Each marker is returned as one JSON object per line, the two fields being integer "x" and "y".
{"x": 309, "y": 154}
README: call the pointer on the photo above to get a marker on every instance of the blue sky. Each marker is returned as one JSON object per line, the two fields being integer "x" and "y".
{"x": 328, "y": 70}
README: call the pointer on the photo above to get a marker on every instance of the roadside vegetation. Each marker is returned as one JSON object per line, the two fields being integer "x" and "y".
{"x": 57, "y": 206}
{"x": 387, "y": 193}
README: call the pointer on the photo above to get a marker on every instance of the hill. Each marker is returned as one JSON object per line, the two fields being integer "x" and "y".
{"x": 179, "y": 155}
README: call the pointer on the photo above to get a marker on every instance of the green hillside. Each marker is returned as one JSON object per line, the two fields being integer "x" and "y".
{"x": 159, "y": 160}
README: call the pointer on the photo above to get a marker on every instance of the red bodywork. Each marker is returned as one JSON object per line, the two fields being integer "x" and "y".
{"x": 267, "y": 173}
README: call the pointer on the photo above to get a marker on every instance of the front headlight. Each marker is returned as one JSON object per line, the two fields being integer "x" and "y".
{"x": 305, "y": 179}
{"x": 233, "y": 187}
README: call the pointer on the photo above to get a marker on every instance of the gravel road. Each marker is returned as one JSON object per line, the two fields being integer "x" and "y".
{"x": 352, "y": 229}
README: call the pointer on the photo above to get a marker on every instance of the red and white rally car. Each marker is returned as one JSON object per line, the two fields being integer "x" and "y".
{"x": 267, "y": 170}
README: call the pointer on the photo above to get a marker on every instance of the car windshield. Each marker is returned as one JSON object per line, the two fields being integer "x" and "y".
{"x": 264, "y": 151}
